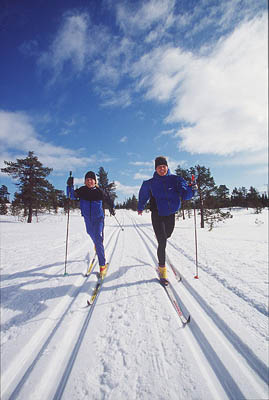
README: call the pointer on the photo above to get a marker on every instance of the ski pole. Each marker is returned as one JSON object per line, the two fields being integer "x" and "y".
{"x": 118, "y": 222}
{"x": 195, "y": 234}
{"x": 67, "y": 228}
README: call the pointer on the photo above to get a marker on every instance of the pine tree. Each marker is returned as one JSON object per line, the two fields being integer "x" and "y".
{"x": 32, "y": 183}
{"x": 103, "y": 183}
{"x": 205, "y": 183}
{"x": 206, "y": 186}
{"x": 222, "y": 196}
{"x": 4, "y": 194}
{"x": 4, "y": 199}
{"x": 239, "y": 197}
{"x": 184, "y": 173}
{"x": 254, "y": 200}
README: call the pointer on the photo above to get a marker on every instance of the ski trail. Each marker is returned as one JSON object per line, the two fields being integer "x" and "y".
{"x": 118, "y": 370}
{"x": 220, "y": 357}
{"x": 21, "y": 367}
{"x": 214, "y": 387}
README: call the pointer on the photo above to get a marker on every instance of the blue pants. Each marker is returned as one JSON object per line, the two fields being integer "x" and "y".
{"x": 95, "y": 228}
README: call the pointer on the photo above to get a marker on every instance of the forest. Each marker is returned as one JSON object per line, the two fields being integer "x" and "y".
{"x": 36, "y": 194}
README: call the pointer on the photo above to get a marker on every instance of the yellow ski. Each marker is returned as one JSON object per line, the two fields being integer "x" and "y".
{"x": 91, "y": 265}
{"x": 96, "y": 289}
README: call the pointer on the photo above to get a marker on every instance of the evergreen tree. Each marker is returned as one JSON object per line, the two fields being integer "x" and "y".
{"x": 254, "y": 199}
{"x": 205, "y": 183}
{"x": 184, "y": 173}
{"x": 103, "y": 183}
{"x": 32, "y": 183}
{"x": 4, "y": 199}
{"x": 222, "y": 196}
{"x": 54, "y": 198}
{"x": 206, "y": 186}
{"x": 239, "y": 197}
{"x": 4, "y": 194}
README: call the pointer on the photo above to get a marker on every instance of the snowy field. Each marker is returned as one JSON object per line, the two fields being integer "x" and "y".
{"x": 131, "y": 343}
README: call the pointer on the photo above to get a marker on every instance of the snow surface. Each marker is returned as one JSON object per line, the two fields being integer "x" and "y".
{"x": 131, "y": 343}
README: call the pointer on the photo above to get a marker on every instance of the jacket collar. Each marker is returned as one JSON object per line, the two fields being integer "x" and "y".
{"x": 156, "y": 175}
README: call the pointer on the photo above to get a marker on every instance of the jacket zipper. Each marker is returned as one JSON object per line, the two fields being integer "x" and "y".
{"x": 168, "y": 201}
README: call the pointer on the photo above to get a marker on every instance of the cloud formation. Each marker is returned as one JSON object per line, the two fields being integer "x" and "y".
{"x": 220, "y": 98}
{"x": 127, "y": 190}
{"x": 17, "y": 132}
{"x": 217, "y": 92}
{"x": 71, "y": 45}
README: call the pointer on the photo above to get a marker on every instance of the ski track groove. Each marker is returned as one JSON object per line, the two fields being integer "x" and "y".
{"x": 235, "y": 290}
{"x": 225, "y": 335}
{"x": 214, "y": 366}
{"x": 254, "y": 362}
{"x": 68, "y": 369}
{"x": 20, "y": 369}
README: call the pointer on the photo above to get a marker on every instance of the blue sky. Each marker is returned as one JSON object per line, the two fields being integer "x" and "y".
{"x": 115, "y": 83}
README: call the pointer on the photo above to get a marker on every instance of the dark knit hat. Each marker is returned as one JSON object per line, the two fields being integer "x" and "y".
{"x": 90, "y": 174}
{"x": 161, "y": 160}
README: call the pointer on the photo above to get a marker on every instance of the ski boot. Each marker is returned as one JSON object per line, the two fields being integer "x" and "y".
{"x": 103, "y": 271}
{"x": 163, "y": 275}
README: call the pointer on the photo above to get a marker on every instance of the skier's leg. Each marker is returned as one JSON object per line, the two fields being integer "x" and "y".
{"x": 169, "y": 225}
{"x": 89, "y": 227}
{"x": 159, "y": 229}
{"x": 98, "y": 233}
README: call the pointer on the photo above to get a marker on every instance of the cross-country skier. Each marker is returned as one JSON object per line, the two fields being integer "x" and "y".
{"x": 165, "y": 192}
{"x": 91, "y": 204}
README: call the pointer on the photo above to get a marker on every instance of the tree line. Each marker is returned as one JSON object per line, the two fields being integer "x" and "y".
{"x": 35, "y": 193}
{"x": 211, "y": 199}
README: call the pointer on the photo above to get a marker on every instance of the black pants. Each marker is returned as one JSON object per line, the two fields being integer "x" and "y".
{"x": 163, "y": 228}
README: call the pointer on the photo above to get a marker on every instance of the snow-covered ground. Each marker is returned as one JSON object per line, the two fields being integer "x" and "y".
{"x": 131, "y": 343}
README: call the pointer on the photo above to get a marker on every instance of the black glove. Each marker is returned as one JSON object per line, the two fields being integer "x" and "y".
{"x": 70, "y": 181}
{"x": 112, "y": 212}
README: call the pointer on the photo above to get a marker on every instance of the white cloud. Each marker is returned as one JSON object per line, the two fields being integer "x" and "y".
{"x": 220, "y": 98}
{"x": 124, "y": 139}
{"x": 71, "y": 44}
{"x": 17, "y": 133}
{"x": 144, "y": 15}
{"x": 140, "y": 176}
{"x": 126, "y": 190}
{"x": 254, "y": 158}
{"x": 224, "y": 96}
{"x": 114, "y": 98}
{"x": 142, "y": 163}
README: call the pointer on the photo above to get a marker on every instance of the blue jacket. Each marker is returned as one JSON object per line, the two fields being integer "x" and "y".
{"x": 168, "y": 192}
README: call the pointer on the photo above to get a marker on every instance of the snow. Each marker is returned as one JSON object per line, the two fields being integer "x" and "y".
{"x": 131, "y": 344}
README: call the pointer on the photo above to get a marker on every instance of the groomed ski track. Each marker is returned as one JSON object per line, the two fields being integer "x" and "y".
{"x": 82, "y": 352}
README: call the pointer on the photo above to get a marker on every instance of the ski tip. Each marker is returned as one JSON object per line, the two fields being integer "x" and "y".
{"x": 187, "y": 321}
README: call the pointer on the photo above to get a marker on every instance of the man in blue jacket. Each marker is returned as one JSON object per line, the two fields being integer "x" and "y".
{"x": 91, "y": 204}
{"x": 165, "y": 192}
